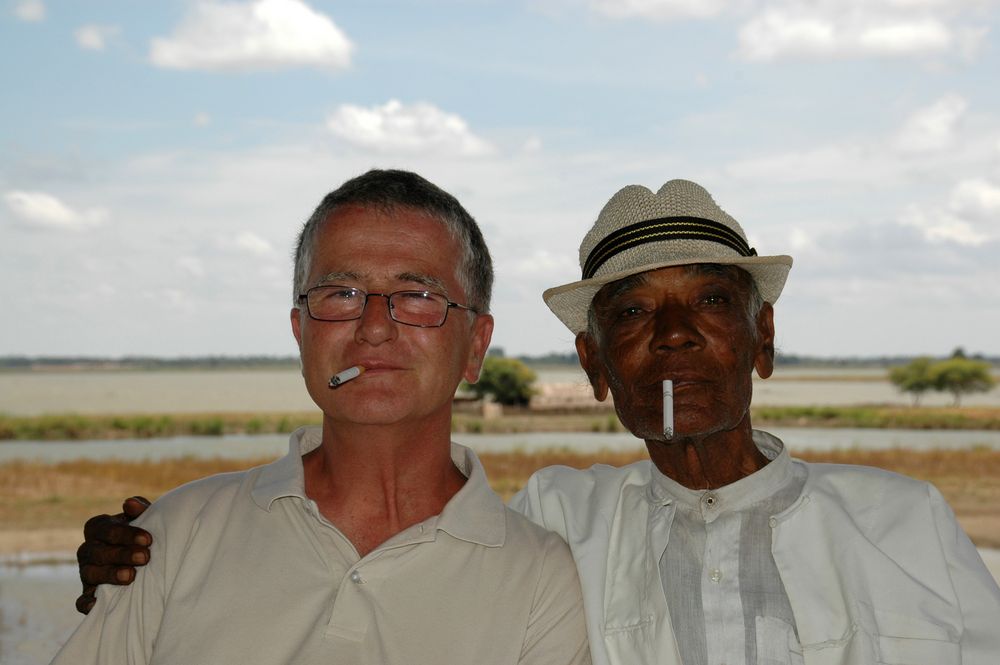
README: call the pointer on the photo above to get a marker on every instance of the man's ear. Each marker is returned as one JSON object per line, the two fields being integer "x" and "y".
{"x": 764, "y": 352}
{"x": 296, "y": 318}
{"x": 586, "y": 349}
{"x": 482, "y": 332}
{"x": 296, "y": 325}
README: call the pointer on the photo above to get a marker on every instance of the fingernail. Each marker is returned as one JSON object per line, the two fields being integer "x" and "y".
{"x": 142, "y": 539}
{"x": 138, "y": 558}
{"x": 123, "y": 575}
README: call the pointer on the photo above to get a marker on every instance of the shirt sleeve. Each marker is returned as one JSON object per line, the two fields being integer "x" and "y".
{"x": 122, "y": 626}
{"x": 975, "y": 587}
{"x": 556, "y": 633}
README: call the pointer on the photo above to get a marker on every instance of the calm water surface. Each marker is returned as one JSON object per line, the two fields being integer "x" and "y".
{"x": 200, "y": 391}
{"x": 274, "y": 445}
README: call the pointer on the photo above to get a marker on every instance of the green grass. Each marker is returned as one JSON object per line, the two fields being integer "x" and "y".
{"x": 74, "y": 427}
{"x": 878, "y": 417}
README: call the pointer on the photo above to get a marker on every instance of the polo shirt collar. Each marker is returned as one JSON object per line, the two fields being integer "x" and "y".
{"x": 475, "y": 514}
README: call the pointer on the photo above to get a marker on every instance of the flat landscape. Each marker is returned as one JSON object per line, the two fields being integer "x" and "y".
{"x": 43, "y": 505}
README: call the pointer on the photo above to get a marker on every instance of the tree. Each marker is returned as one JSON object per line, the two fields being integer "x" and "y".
{"x": 913, "y": 378}
{"x": 508, "y": 380}
{"x": 959, "y": 375}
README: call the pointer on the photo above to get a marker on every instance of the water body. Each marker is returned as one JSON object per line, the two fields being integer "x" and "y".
{"x": 275, "y": 445}
{"x": 271, "y": 390}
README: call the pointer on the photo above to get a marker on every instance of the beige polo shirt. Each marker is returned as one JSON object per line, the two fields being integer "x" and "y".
{"x": 245, "y": 570}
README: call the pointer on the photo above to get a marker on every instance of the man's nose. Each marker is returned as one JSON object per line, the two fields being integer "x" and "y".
{"x": 376, "y": 324}
{"x": 675, "y": 329}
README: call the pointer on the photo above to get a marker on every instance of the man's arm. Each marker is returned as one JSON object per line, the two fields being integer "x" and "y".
{"x": 977, "y": 592}
{"x": 111, "y": 550}
{"x": 556, "y": 631}
{"x": 125, "y": 620}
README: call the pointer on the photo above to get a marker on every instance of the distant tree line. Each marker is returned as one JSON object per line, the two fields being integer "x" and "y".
{"x": 958, "y": 375}
{"x": 145, "y": 362}
{"x": 21, "y": 362}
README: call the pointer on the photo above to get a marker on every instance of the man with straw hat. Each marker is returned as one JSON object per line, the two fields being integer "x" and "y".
{"x": 723, "y": 549}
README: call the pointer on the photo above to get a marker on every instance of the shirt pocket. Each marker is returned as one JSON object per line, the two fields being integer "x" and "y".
{"x": 777, "y": 643}
{"x": 907, "y": 640}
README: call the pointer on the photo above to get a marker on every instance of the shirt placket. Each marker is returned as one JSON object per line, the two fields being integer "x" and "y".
{"x": 720, "y": 588}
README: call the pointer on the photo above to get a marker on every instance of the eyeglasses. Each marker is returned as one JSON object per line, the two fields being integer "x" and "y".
{"x": 423, "y": 309}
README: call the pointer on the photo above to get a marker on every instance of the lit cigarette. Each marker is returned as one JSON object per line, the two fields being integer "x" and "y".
{"x": 346, "y": 375}
{"x": 668, "y": 408}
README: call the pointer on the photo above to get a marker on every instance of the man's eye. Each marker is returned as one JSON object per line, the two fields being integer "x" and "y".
{"x": 715, "y": 299}
{"x": 630, "y": 312}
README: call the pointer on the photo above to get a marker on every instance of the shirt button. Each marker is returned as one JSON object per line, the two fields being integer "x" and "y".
{"x": 716, "y": 575}
{"x": 773, "y": 522}
{"x": 711, "y": 501}
{"x": 356, "y": 577}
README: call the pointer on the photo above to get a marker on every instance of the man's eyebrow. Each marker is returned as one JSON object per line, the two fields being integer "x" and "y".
{"x": 427, "y": 280}
{"x": 622, "y": 286}
{"x": 335, "y": 277}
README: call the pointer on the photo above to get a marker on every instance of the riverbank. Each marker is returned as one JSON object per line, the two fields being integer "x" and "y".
{"x": 470, "y": 419}
{"x": 44, "y": 505}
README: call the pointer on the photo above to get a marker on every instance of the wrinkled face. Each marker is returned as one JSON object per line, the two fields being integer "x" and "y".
{"x": 689, "y": 324}
{"x": 411, "y": 373}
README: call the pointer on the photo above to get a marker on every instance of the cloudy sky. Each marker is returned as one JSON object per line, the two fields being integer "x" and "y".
{"x": 156, "y": 159}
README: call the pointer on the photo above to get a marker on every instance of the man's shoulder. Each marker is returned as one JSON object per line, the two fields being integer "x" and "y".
{"x": 858, "y": 481}
{"x": 875, "y": 499}
{"x": 194, "y": 498}
{"x": 523, "y": 534}
{"x": 571, "y": 481}
{"x": 564, "y": 499}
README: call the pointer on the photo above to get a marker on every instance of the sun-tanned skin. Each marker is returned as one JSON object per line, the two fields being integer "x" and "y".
{"x": 100, "y": 564}
{"x": 692, "y": 326}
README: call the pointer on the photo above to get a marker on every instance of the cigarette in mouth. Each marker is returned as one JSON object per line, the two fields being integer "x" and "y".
{"x": 346, "y": 375}
{"x": 668, "y": 408}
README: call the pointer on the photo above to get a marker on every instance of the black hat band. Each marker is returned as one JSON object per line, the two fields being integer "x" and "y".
{"x": 664, "y": 228}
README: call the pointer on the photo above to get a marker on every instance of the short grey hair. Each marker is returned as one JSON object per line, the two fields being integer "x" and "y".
{"x": 387, "y": 191}
{"x": 755, "y": 301}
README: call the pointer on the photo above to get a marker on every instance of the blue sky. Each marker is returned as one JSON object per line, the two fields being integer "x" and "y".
{"x": 156, "y": 159}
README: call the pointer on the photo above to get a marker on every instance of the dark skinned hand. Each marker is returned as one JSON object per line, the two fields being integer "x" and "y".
{"x": 111, "y": 550}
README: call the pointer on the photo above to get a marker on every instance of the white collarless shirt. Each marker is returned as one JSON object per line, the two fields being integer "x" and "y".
{"x": 725, "y": 590}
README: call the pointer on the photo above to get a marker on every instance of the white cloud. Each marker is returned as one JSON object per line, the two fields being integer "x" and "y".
{"x": 969, "y": 218}
{"x": 202, "y": 119}
{"x": 252, "y": 243}
{"x": 31, "y": 11}
{"x": 932, "y": 127}
{"x": 94, "y": 37}
{"x": 191, "y": 265}
{"x": 838, "y": 30}
{"x": 861, "y": 28}
{"x": 263, "y": 34}
{"x": 395, "y": 126}
{"x": 978, "y": 199}
{"x": 542, "y": 263}
{"x": 532, "y": 144}
{"x": 41, "y": 209}
{"x": 662, "y": 10}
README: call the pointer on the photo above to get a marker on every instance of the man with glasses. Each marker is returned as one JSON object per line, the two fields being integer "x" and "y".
{"x": 376, "y": 539}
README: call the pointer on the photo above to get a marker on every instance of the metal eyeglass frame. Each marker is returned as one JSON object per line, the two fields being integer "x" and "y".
{"x": 304, "y": 297}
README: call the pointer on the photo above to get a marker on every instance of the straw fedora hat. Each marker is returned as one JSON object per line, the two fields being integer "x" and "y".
{"x": 639, "y": 231}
